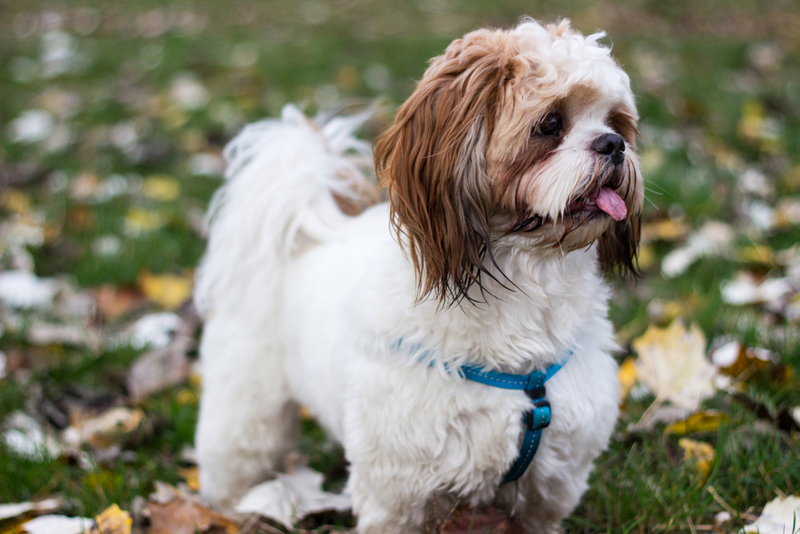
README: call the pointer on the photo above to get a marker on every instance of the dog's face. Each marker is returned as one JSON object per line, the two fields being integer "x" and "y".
{"x": 527, "y": 135}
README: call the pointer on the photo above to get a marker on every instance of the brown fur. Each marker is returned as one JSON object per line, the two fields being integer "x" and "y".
{"x": 433, "y": 161}
{"x": 463, "y": 149}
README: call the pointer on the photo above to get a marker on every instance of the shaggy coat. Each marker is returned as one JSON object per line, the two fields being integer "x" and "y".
{"x": 513, "y": 183}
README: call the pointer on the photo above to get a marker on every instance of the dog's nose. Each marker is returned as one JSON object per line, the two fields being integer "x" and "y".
{"x": 611, "y": 145}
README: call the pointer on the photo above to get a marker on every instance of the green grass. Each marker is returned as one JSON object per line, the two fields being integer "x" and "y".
{"x": 690, "y": 118}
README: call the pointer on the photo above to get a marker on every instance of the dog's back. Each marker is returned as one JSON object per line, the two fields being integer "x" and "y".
{"x": 288, "y": 185}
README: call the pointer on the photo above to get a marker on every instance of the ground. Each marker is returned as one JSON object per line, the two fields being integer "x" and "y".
{"x": 112, "y": 121}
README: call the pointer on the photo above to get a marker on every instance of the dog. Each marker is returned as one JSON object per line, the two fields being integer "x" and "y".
{"x": 513, "y": 187}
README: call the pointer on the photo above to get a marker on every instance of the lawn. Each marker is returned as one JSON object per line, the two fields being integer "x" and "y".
{"x": 112, "y": 121}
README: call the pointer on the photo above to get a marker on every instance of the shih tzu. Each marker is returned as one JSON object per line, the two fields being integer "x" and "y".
{"x": 513, "y": 184}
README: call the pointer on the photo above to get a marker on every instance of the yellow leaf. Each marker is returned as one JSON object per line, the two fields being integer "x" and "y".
{"x": 627, "y": 377}
{"x": 168, "y": 290}
{"x": 112, "y": 521}
{"x": 756, "y": 254}
{"x": 700, "y": 455}
{"x": 707, "y": 421}
{"x": 140, "y": 221}
{"x": 192, "y": 477}
{"x": 665, "y": 230}
{"x": 15, "y": 201}
{"x": 186, "y": 396}
{"x": 672, "y": 364}
{"x": 163, "y": 188}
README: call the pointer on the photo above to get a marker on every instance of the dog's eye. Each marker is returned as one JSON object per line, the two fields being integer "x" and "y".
{"x": 549, "y": 125}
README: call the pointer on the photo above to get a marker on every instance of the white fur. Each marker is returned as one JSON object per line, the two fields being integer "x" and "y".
{"x": 306, "y": 305}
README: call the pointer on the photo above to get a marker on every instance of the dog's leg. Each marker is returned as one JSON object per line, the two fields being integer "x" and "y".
{"x": 384, "y": 502}
{"x": 247, "y": 419}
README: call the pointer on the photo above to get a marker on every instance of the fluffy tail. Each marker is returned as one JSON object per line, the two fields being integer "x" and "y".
{"x": 288, "y": 180}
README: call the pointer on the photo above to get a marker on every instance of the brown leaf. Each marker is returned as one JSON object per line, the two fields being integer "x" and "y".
{"x": 181, "y": 516}
{"x": 482, "y": 519}
{"x": 115, "y": 302}
{"x": 159, "y": 368}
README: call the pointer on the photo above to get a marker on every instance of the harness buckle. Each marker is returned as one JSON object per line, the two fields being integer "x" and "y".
{"x": 539, "y": 417}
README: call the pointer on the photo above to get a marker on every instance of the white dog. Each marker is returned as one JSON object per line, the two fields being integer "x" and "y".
{"x": 513, "y": 183}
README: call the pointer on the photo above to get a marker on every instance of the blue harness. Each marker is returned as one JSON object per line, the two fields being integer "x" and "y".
{"x": 535, "y": 420}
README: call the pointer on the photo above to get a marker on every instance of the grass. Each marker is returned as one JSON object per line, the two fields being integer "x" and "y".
{"x": 696, "y": 73}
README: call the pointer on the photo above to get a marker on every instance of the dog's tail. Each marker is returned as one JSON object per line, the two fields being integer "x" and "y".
{"x": 289, "y": 182}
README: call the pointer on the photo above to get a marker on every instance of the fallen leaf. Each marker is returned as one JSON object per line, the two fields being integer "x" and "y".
{"x": 115, "y": 302}
{"x": 23, "y": 289}
{"x": 168, "y": 290}
{"x": 112, "y": 521}
{"x": 171, "y": 511}
{"x": 57, "y": 524}
{"x": 672, "y": 364}
{"x": 26, "y": 437}
{"x": 8, "y": 511}
{"x": 664, "y": 230}
{"x": 627, "y": 377}
{"x": 780, "y": 516}
{"x": 747, "y": 289}
{"x": 483, "y": 519}
{"x": 699, "y": 454}
{"x": 140, "y": 221}
{"x": 159, "y": 368}
{"x": 191, "y": 475}
{"x": 291, "y": 497}
{"x": 162, "y": 188}
{"x": 154, "y": 330}
{"x": 104, "y": 429}
{"x": 15, "y": 201}
{"x": 741, "y": 362}
{"x": 707, "y": 421}
{"x": 74, "y": 335}
{"x": 713, "y": 238}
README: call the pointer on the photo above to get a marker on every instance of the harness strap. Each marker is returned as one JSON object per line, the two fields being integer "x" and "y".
{"x": 535, "y": 420}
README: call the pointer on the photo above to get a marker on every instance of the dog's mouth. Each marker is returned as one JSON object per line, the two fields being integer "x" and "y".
{"x": 603, "y": 200}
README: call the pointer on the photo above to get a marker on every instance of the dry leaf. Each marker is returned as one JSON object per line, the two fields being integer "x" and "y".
{"x": 115, "y": 302}
{"x": 713, "y": 238}
{"x": 23, "y": 289}
{"x": 154, "y": 330}
{"x": 172, "y": 511}
{"x": 627, "y": 377}
{"x": 140, "y": 221}
{"x": 664, "y": 230}
{"x": 57, "y": 524}
{"x": 104, "y": 429}
{"x": 163, "y": 188}
{"x": 291, "y": 497}
{"x": 159, "y": 368}
{"x": 112, "y": 521}
{"x": 192, "y": 477}
{"x": 8, "y": 511}
{"x": 484, "y": 519}
{"x": 707, "y": 421}
{"x": 167, "y": 290}
{"x": 26, "y": 437}
{"x": 779, "y": 516}
{"x": 700, "y": 454}
{"x": 672, "y": 364}
{"x": 747, "y": 289}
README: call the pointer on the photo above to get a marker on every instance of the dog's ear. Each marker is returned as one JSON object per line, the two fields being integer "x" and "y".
{"x": 433, "y": 160}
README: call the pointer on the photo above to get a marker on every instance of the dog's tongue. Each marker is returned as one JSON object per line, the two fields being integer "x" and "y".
{"x": 610, "y": 202}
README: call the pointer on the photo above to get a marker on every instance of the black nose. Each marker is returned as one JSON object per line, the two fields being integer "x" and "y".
{"x": 612, "y": 145}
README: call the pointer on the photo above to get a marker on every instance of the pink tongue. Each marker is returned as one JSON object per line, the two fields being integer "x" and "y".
{"x": 610, "y": 202}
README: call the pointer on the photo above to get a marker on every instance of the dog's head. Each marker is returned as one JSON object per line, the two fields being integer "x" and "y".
{"x": 527, "y": 132}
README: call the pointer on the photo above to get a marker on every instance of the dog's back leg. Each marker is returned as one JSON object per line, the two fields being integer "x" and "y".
{"x": 248, "y": 421}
